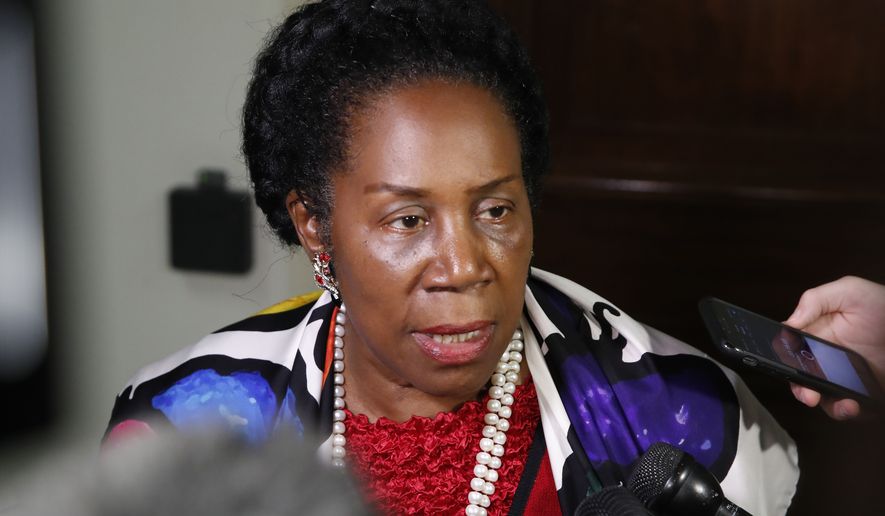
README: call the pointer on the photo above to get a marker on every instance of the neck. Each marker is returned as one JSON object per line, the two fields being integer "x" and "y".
{"x": 376, "y": 395}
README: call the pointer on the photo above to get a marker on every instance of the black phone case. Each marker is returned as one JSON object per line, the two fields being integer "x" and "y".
{"x": 777, "y": 369}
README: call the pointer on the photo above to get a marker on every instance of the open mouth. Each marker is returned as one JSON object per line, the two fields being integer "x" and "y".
{"x": 458, "y": 337}
{"x": 455, "y": 344}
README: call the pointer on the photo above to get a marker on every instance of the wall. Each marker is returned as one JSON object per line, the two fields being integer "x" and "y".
{"x": 138, "y": 96}
{"x": 733, "y": 149}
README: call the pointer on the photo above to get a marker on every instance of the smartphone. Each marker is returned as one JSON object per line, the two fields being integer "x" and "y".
{"x": 784, "y": 352}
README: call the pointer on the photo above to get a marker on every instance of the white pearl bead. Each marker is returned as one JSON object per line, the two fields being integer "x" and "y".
{"x": 477, "y": 484}
{"x": 338, "y": 391}
{"x": 502, "y": 368}
{"x": 338, "y": 440}
{"x": 340, "y": 319}
{"x": 505, "y": 412}
{"x": 497, "y": 450}
{"x": 472, "y": 510}
{"x": 503, "y": 425}
{"x": 515, "y": 367}
{"x": 339, "y": 379}
{"x": 338, "y": 403}
{"x": 343, "y": 309}
{"x": 507, "y": 400}
{"x": 494, "y": 463}
{"x": 488, "y": 488}
{"x": 337, "y": 452}
{"x": 500, "y": 438}
{"x": 516, "y": 345}
{"x": 480, "y": 470}
{"x": 338, "y": 415}
{"x": 339, "y": 342}
{"x": 484, "y": 500}
{"x": 509, "y": 388}
{"x": 484, "y": 458}
{"x": 337, "y": 463}
{"x": 338, "y": 354}
{"x": 493, "y": 405}
{"x": 474, "y": 497}
{"x": 517, "y": 334}
{"x": 491, "y": 419}
{"x": 511, "y": 377}
{"x": 338, "y": 427}
{"x": 492, "y": 475}
{"x": 339, "y": 330}
{"x": 516, "y": 356}
{"x": 482, "y": 512}
{"x": 489, "y": 431}
{"x": 505, "y": 356}
{"x": 495, "y": 392}
{"x": 486, "y": 444}
{"x": 338, "y": 366}
{"x": 498, "y": 379}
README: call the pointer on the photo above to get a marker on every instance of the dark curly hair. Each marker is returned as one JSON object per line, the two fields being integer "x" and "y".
{"x": 328, "y": 59}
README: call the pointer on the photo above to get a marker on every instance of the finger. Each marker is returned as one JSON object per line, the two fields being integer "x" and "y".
{"x": 805, "y": 395}
{"x": 818, "y": 301}
{"x": 840, "y": 410}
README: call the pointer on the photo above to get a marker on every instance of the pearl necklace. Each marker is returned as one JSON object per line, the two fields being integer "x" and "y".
{"x": 494, "y": 433}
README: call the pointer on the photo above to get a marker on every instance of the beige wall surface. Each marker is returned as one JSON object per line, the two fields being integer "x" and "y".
{"x": 137, "y": 97}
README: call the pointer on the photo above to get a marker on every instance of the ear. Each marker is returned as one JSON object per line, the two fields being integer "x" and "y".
{"x": 306, "y": 224}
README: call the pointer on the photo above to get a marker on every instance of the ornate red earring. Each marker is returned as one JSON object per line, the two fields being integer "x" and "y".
{"x": 322, "y": 273}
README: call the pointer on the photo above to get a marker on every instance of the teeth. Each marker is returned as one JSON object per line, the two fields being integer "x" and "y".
{"x": 456, "y": 337}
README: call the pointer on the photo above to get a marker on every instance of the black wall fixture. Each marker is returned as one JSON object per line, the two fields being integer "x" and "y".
{"x": 210, "y": 226}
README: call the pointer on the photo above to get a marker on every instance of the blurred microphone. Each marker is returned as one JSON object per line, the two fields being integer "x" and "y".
{"x": 612, "y": 501}
{"x": 670, "y": 481}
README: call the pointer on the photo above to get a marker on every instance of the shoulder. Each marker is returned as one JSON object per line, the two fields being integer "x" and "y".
{"x": 610, "y": 364}
{"x": 240, "y": 373}
{"x": 559, "y": 304}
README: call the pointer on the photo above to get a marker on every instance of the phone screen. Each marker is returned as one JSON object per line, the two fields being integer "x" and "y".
{"x": 760, "y": 336}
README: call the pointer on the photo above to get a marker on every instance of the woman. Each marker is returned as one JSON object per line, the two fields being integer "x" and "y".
{"x": 401, "y": 144}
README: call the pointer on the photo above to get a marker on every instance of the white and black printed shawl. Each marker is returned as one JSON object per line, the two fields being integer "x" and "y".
{"x": 608, "y": 388}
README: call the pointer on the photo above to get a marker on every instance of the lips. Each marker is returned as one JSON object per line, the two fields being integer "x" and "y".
{"x": 455, "y": 344}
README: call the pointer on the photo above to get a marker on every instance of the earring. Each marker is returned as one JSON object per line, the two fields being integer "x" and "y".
{"x": 322, "y": 273}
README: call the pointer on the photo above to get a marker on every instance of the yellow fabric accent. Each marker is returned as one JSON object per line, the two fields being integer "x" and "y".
{"x": 292, "y": 303}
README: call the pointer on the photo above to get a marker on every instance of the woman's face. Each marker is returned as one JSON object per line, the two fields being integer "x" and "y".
{"x": 432, "y": 238}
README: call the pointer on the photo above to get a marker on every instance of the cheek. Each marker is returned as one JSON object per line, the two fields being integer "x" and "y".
{"x": 512, "y": 248}
{"x": 373, "y": 268}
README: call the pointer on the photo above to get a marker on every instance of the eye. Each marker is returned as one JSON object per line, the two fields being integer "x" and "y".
{"x": 495, "y": 213}
{"x": 408, "y": 223}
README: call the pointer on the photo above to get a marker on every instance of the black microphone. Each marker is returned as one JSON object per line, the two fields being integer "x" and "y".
{"x": 670, "y": 481}
{"x": 612, "y": 501}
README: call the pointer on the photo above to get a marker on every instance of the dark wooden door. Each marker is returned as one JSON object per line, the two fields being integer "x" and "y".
{"x": 713, "y": 147}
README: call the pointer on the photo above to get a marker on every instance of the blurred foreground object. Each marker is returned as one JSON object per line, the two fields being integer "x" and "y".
{"x": 25, "y": 392}
{"x": 214, "y": 474}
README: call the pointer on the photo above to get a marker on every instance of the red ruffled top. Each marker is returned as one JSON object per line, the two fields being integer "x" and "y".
{"x": 424, "y": 466}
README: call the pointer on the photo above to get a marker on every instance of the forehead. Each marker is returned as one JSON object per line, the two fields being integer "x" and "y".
{"x": 432, "y": 133}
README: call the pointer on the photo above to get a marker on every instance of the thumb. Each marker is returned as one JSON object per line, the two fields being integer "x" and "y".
{"x": 802, "y": 316}
{"x": 816, "y": 302}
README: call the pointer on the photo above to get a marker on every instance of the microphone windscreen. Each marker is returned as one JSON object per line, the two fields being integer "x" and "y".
{"x": 654, "y": 469}
{"x": 612, "y": 501}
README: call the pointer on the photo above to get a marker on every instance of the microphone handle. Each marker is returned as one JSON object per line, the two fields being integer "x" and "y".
{"x": 729, "y": 508}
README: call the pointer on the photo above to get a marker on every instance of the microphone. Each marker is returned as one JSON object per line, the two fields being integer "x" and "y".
{"x": 670, "y": 481}
{"x": 612, "y": 501}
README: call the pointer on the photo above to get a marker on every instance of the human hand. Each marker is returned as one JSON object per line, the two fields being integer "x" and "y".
{"x": 849, "y": 312}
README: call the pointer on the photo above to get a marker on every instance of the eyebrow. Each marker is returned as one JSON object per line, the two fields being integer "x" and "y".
{"x": 409, "y": 191}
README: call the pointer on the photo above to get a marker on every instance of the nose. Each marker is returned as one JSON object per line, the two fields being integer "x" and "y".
{"x": 460, "y": 258}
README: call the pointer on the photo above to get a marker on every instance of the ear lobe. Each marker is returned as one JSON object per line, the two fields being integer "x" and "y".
{"x": 306, "y": 224}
